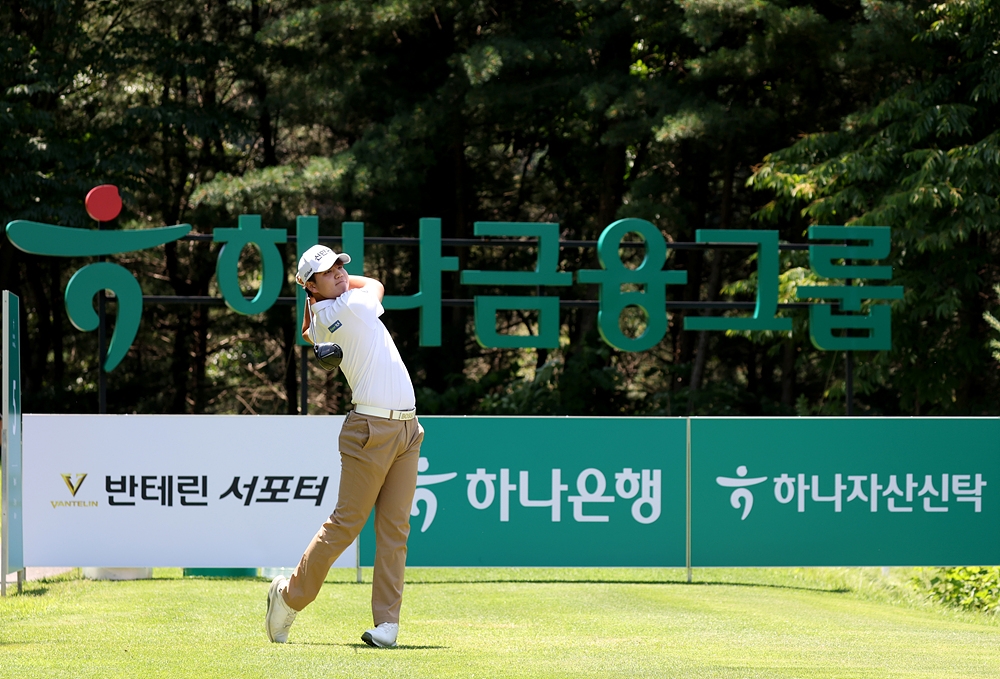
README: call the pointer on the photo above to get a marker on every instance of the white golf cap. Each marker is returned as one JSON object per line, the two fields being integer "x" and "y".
{"x": 316, "y": 259}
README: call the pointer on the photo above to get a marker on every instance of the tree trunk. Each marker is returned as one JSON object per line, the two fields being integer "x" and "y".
{"x": 715, "y": 275}
{"x": 291, "y": 372}
{"x": 180, "y": 362}
{"x": 701, "y": 354}
{"x": 264, "y": 126}
{"x": 753, "y": 379}
{"x": 39, "y": 351}
{"x": 788, "y": 372}
{"x": 200, "y": 319}
{"x": 58, "y": 360}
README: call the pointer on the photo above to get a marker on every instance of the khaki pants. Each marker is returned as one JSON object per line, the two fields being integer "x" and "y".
{"x": 379, "y": 468}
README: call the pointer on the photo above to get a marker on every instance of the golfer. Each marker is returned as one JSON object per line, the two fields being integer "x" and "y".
{"x": 379, "y": 447}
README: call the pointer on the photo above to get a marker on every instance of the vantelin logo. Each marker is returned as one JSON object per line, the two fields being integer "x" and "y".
{"x": 74, "y": 487}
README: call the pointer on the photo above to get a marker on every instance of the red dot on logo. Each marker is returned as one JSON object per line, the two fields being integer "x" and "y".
{"x": 103, "y": 202}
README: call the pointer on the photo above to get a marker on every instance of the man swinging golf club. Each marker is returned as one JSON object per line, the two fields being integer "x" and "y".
{"x": 379, "y": 447}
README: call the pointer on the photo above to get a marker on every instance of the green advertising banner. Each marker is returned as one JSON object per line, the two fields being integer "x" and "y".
{"x": 575, "y": 492}
{"x": 547, "y": 491}
{"x": 12, "y": 533}
{"x": 845, "y": 491}
{"x": 872, "y": 323}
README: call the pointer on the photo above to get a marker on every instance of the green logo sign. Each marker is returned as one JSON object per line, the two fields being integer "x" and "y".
{"x": 61, "y": 241}
{"x": 844, "y": 492}
{"x": 548, "y": 491}
{"x": 832, "y": 256}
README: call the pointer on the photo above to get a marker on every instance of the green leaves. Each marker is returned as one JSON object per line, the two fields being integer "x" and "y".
{"x": 972, "y": 588}
{"x": 925, "y": 160}
{"x": 284, "y": 191}
{"x": 697, "y": 114}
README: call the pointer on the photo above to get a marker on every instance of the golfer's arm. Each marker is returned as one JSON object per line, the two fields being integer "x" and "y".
{"x": 369, "y": 283}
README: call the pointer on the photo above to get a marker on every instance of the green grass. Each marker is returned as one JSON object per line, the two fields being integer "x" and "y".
{"x": 505, "y": 623}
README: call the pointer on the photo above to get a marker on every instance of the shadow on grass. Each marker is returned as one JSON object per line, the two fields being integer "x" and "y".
{"x": 512, "y": 581}
{"x": 545, "y": 581}
{"x": 570, "y": 581}
{"x": 33, "y": 590}
{"x": 365, "y": 647}
{"x": 802, "y": 588}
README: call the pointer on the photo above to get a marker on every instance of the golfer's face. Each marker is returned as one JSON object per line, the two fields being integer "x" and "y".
{"x": 332, "y": 283}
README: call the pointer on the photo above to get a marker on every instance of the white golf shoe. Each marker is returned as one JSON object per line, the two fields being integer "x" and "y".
{"x": 383, "y": 636}
{"x": 279, "y": 616}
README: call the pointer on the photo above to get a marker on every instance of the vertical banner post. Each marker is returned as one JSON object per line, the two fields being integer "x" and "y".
{"x": 306, "y": 236}
{"x": 102, "y": 355}
{"x": 687, "y": 496}
{"x": 849, "y": 366}
{"x": 849, "y": 381}
{"x": 102, "y": 346}
{"x": 303, "y": 380}
{"x": 358, "y": 557}
{"x": 12, "y": 537}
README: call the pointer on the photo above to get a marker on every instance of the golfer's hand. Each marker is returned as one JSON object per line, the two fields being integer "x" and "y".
{"x": 375, "y": 286}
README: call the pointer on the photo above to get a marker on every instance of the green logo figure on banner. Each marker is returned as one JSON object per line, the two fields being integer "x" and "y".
{"x": 103, "y": 205}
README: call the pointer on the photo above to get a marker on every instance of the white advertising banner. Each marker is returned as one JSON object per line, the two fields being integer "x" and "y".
{"x": 193, "y": 491}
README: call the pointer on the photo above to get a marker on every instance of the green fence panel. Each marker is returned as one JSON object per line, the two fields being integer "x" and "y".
{"x": 474, "y": 508}
{"x": 845, "y": 491}
{"x": 12, "y": 531}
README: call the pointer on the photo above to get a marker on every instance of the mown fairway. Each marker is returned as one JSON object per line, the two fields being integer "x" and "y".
{"x": 504, "y": 623}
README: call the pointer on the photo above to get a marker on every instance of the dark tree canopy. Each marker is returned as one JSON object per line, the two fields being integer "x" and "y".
{"x": 691, "y": 114}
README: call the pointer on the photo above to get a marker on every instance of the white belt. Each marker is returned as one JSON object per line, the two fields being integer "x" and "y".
{"x": 386, "y": 413}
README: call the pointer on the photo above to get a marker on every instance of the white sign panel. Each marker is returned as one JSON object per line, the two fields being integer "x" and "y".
{"x": 193, "y": 491}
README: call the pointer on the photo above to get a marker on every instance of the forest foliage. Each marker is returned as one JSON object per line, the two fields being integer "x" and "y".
{"x": 729, "y": 114}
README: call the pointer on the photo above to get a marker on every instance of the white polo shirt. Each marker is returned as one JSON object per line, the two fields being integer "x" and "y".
{"x": 371, "y": 363}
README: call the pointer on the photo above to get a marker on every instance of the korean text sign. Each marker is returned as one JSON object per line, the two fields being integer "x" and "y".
{"x": 547, "y": 491}
{"x": 851, "y": 314}
{"x": 212, "y": 491}
{"x": 241, "y": 491}
{"x": 845, "y": 491}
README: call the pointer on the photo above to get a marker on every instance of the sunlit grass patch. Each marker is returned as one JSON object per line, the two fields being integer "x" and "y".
{"x": 509, "y": 622}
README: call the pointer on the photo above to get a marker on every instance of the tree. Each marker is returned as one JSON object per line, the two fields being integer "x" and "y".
{"x": 923, "y": 160}
{"x": 577, "y": 112}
